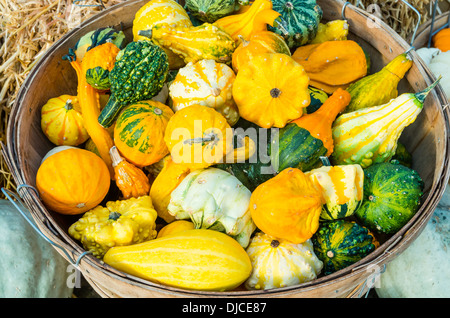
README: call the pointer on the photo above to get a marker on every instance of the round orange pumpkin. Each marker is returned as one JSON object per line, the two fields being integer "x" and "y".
{"x": 72, "y": 181}
{"x": 287, "y": 206}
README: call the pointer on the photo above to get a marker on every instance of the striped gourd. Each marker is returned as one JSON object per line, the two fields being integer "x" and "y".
{"x": 210, "y": 10}
{"x": 161, "y": 11}
{"x": 381, "y": 87}
{"x": 206, "y": 83}
{"x": 341, "y": 188}
{"x": 197, "y": 259}
{"x": 279, "y": 263}
{"x": 370, "y": 135}
{"x": 139, "y": 132}
{"x": 193, "y": 44}
{"x": 299, "y": 20}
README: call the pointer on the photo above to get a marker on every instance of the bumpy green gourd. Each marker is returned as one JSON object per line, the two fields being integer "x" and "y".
{"x": 139, "y": 74}
{"x": 392, "y": 194}
{"x": 340, "y": 243}
{"x": 370, "y": 135}
{"x": 379, "y": 88}
{"x": 210, "y": 10}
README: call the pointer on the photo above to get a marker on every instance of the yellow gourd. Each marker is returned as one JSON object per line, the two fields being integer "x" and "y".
{"x": 175, "y": 227}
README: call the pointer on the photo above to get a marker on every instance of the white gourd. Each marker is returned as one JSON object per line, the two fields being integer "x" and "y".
{"x": 439, "y": 64}
{"x": 30, "y": 267}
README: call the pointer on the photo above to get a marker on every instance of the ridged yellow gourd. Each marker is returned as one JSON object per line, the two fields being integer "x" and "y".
{"x": 197, "y": 259}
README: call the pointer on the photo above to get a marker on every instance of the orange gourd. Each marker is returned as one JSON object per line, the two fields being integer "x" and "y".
{"x": 441, "y": 40}
{"x": 72, "y": 180}
{"x": 130, "y": 180}
{"x": 97, "y": 63}
{"x": 319, "y": 124}
{"x": 271, "y": 90}
{"x": 287, "y": 206}
{"x": 332, "y": 64}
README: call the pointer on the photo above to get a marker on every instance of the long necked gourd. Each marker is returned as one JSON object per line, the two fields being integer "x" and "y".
{"x": 370, "y": 135}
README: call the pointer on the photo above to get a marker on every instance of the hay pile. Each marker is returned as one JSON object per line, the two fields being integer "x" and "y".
{"x": 27, "y": 30}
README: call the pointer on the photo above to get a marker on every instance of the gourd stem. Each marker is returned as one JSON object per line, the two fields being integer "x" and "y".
{"x": 146, "y": 33}
{"x": 114, "y": 216}
{"x": 68, "y": 105}
{"x": 207, "y": 138}
{"x": 274, "y": 243}
{"x": 423, "y": 94}
{"x": 115, "y": 156}
{"x": 275, "y": 92}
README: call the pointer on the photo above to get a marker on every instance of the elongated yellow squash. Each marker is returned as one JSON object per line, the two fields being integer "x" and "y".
{"x": 197, "y": 259}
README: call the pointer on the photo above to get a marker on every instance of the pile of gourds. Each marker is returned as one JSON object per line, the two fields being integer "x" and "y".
{"x": 152, "y": 120}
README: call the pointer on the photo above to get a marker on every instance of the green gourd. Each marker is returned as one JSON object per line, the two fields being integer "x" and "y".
{"x": 318, "y": 97}
{"x": 341, "y": 243}
{"x": 210, "y": 10}
{"x": 139, "y": 73}
{"x": 381, "y": 87}
{"x": 370, "y": 135}
{"x": 30, "y": 266}
{"x": 392, "y": 194}
{"x": 299, "y": 20}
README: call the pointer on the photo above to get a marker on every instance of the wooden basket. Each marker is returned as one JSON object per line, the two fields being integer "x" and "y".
{"x": 426, "y": 139}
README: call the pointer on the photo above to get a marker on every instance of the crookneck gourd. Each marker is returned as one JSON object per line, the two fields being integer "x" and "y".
{"x": 335, "y": 30}
{"x": 257, "y": 43}
{"x": 214, "y": 199}
{"x": 279, "y": 263}
{"x": 370, "y": 135}
{"x": 303, "y": 141}
{"x": 300, "y": 20}
{"x": 119, "y": 223}
{"x": 206, "y": 83}
{"x": 332, "y": 64}
{"x": 161, "y": 11}
{"x": 341, "y": 188}
{"x": 62, "y": 123}
{"x": 193, "y": 44}
{"x": 139, "y": 74}
{"x": 379, "y": 88}
{"x": 287, "y": 206}
{"x": 275, "y": 100}
{"x": 139, "y": 132}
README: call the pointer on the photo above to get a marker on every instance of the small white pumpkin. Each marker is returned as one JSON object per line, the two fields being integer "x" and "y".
{"x": 30, "y": 267}
{"x": 206, "y": 83}
{"x": 279, "y": 263}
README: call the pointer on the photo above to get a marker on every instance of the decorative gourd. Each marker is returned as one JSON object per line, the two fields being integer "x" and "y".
{"x": 279, "y": 263}
{"x": 287, "y": 206}
{"x": 166, "y": 181}
{"x": 138, "y": 74}
{"x": 31, "y": 267}
{"x": 255, "y": 19}
{"x": 300, "y": 19}
{"x": 370, "y": 135}
{"x": 89, "y": 101}
{"x": 392, "y": 195}
{"x": 97, "y": 63}
{"x": 441, "y": 40}
{"x": 257, "y": 43}
{"x": 139, "y": 132}
{"x": 72, "y": 181}
{"x": 214, "y": 199}
{"x": 130, "y": 179}
{"x": 402, "y": 155}
{"x": 119, "y": 223}
{"x": 210, "y": 10}
{"x": 206, "y": 83}
{"x": 426, "y": 259}
{"x": 198, "y": 137}
{"x": 332, "y": 64}
{"x": 341, "y": 188}
{"x": 341, "y": 243}
{"x": 379, "y": 88}
{"x": 61, "y": 123}
{"x": 318, "y": 97}
{"x": 175, "y": 227}
{"x": 271, "y": 101}
{"x": 302, "y": 142}
{"x": 336, "y": 30}
{"x": 206, "y": 260}
{"x": 161, "y": 11}
{"x": 439, "y": 64}
{"x": 193, "y": 44}
{"x": 95, "y": 38}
